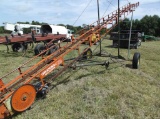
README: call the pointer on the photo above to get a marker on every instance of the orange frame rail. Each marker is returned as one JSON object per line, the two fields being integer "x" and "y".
{"x": 49, "y": 63}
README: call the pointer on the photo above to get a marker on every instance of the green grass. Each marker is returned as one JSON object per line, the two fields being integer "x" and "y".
{"x": 4, "y": 35}
{"x": 93, "y": 92}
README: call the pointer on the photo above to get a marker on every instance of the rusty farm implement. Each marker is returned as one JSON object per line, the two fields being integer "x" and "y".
{"x": 19, "y": 43}
{"x": 18, "y": 94}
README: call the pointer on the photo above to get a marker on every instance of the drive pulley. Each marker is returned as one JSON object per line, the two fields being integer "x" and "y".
{"x": 23, "y": 97}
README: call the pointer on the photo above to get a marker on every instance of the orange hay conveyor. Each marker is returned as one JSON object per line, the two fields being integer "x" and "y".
{"x": 20, "y": 93}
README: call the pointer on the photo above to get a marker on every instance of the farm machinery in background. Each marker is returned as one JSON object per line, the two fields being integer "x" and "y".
{"x": 149, "y": 38}
{"x": 135, "y": 42}
{"x": 43, "y": 33}
{"x": 19, "y": 93}
{"x": 136, "y": 38}
{"x": 17, "y": 29}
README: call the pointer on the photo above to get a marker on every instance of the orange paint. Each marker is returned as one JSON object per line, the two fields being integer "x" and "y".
{"x": 24, "y": 96}
{"x": 3, "y": 111}
{"x": 51, "y": 67}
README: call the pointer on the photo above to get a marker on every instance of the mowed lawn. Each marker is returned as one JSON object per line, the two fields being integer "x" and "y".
{"x": 94, "y": 92}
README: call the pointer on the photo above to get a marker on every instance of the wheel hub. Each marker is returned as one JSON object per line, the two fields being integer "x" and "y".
{"x": 23, "y": 98}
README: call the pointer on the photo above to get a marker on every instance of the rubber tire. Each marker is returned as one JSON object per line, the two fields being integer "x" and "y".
{"x": 39, "y": 48}
{"x": 136, "y": 60}
{"x": 136, "y": 46}
{"x": 52, "y": 50}
{"x": 69, "y": 40}
{"x": 25, "y": 46}
{"x": 18, "y": 47}
{"x": 85, "y": 56}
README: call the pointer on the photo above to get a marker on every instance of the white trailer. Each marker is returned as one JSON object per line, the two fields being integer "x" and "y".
{"x": 18, "y": 28}
{"x": 54, "y": 29}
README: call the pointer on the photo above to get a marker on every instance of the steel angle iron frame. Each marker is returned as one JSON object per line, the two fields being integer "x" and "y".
{"x": 22, "y": 41}
{"x": 20, "y": 93}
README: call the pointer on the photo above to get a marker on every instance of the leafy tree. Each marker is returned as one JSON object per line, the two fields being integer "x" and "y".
{"x": 1, "y": 29}
{"x": 61, "y": 25}
{"x": 23, "y": 22}
{"x": 26, "y": 30}
{"x": 43, "y": 23}
{"x": 35, "y": 23}
{"x": 136, "y": 25}
{"x": 155, "y": 22}
{"x": 150, "y": 25}
{"x": 125, "y": 24}
{"x": 79, "y": 28}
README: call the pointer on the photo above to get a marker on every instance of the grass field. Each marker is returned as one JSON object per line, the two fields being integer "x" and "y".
{"x": 93, "y": 92}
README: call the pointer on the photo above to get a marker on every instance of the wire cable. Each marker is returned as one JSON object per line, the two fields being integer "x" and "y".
{"x": 82, "y": 12}
{"x": 112, "y": 4}
{"x": 106, "y": 9}
{"x": 128, "y": 1}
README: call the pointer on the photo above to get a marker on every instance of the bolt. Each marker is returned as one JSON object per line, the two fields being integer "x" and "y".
{"x": 24, "y": 98}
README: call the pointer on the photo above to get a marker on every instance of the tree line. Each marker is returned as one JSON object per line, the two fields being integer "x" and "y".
{"x": 150, "y": 25}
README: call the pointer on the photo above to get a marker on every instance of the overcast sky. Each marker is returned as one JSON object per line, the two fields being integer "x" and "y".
{"x": 67, "y": 11}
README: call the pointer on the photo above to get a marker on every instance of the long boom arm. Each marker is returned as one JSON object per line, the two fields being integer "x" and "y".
{"x": 20, "y": 92}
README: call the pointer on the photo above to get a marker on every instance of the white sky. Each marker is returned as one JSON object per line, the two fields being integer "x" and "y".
{"x": 67, "y": 11}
